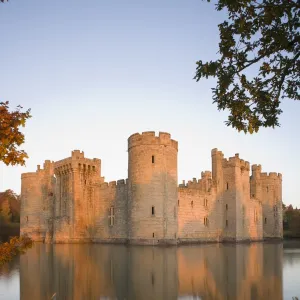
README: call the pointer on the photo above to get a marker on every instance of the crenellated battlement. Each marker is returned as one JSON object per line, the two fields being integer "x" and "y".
{"x": 256, "y": 168}
{"x": 77, "y": 162}
{"x": 48, "y": 168}
{"x": 28, "y": 175}
{"x": 114, "y": 184}
{"x": 204, "y": 184}
{"x": 271, "y": 175}
{"x": 77, "y": 154}
{"x": 149, "y": 138}
{"x": 236, "y": 161}
{"x": 217, "y": 152}
{"x": 206, "y": 174}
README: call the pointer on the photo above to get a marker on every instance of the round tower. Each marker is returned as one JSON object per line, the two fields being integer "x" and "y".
{"x": 153, "y": 190}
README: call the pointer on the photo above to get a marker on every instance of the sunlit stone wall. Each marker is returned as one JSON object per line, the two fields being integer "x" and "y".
{"x": 111, "y": 212}
{"x": 68, "y": 200}
{"x": 37, "y": 198}
{"x": 153, "y": 195}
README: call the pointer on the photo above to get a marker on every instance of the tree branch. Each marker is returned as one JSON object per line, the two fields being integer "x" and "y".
{"x": 285, "y": 71}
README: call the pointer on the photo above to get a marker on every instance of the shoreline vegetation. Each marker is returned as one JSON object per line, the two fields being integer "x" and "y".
{"x": 15, "y": 246}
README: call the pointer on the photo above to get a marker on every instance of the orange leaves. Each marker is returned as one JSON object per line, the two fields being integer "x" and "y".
{"x": 15, "y": 246}
{"x": 10, "y": 136}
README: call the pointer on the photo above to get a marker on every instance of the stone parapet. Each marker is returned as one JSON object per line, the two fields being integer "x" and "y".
{"x": 149, "y": 138}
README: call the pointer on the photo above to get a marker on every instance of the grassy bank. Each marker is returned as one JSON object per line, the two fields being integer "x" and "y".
{"x": 16, "y": 245}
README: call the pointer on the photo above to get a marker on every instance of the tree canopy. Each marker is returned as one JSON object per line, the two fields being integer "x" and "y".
{"x": 260, "y": 37}
{"x": 10, "y": 135}
{"x": 9, "y": 206}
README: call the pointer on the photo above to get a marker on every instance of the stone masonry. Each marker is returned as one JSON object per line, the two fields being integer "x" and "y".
{"x": 68, "y": 201}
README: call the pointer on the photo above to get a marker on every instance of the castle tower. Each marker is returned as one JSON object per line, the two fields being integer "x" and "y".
{"x": 37, "y": 198}
{"x": 242, "y": 216}
{"x": 271, "y": 197}
{"x": 75, "y": 197}
{"x": 153, "y": 192}
{"x": 255, "y": 182}
{"x": 217, "y": 169}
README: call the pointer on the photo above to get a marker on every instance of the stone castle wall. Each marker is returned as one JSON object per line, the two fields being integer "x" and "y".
{"x": 37, "y": 200}
{"x": 111, "y": 212}
{"x": 152, "y": 174}
{"x": 68, "y": 201}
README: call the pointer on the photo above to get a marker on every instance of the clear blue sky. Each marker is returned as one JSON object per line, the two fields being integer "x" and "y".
{"x": 94, "y": 72}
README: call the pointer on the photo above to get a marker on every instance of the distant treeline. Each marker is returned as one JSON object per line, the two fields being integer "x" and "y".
{"x": 291, "y": 221}
{"x": 9, "y": 207}
{"x": 9, "y": 214}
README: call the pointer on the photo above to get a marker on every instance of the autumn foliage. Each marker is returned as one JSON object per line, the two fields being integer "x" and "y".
{"x": 10, "y": 135}
{"x": 15, "y": 246}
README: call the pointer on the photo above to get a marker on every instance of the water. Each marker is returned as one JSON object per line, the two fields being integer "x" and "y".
{"x": 212, "y": 271}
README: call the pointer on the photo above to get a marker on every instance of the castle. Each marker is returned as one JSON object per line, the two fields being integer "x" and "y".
{"x": 68, "y": 201}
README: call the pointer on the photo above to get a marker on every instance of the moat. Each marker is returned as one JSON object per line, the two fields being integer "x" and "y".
{"x": 209, "y": 271}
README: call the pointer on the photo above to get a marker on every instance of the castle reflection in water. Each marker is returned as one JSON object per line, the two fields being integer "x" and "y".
{"x": 211, "y": 271}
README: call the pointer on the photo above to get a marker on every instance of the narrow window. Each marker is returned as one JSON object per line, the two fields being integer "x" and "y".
{"x": 205, "y": 202}
{"x": 153, "y": 210}
{"x": 255, "y": 216}
{"x": 153, "y": 234}
{"x": 174, "y": 212}
{"x": 265, "y": 220}
{"x": 267, "y": 189}
{"x": 226, "y": 206}
{"x": 227, "y": 186}
{"x": 153, "y": 159}
{"x": 112, "y": 216}
{"x": 226, "y": 223}
{"x": 178, "y": 202}
{"x": 192, "y": 203}
{"x": 205, "y": 221}
{"x": 152, "y": 278}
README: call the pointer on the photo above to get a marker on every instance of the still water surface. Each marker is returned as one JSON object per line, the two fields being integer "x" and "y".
{"x": 213, "y": 271}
